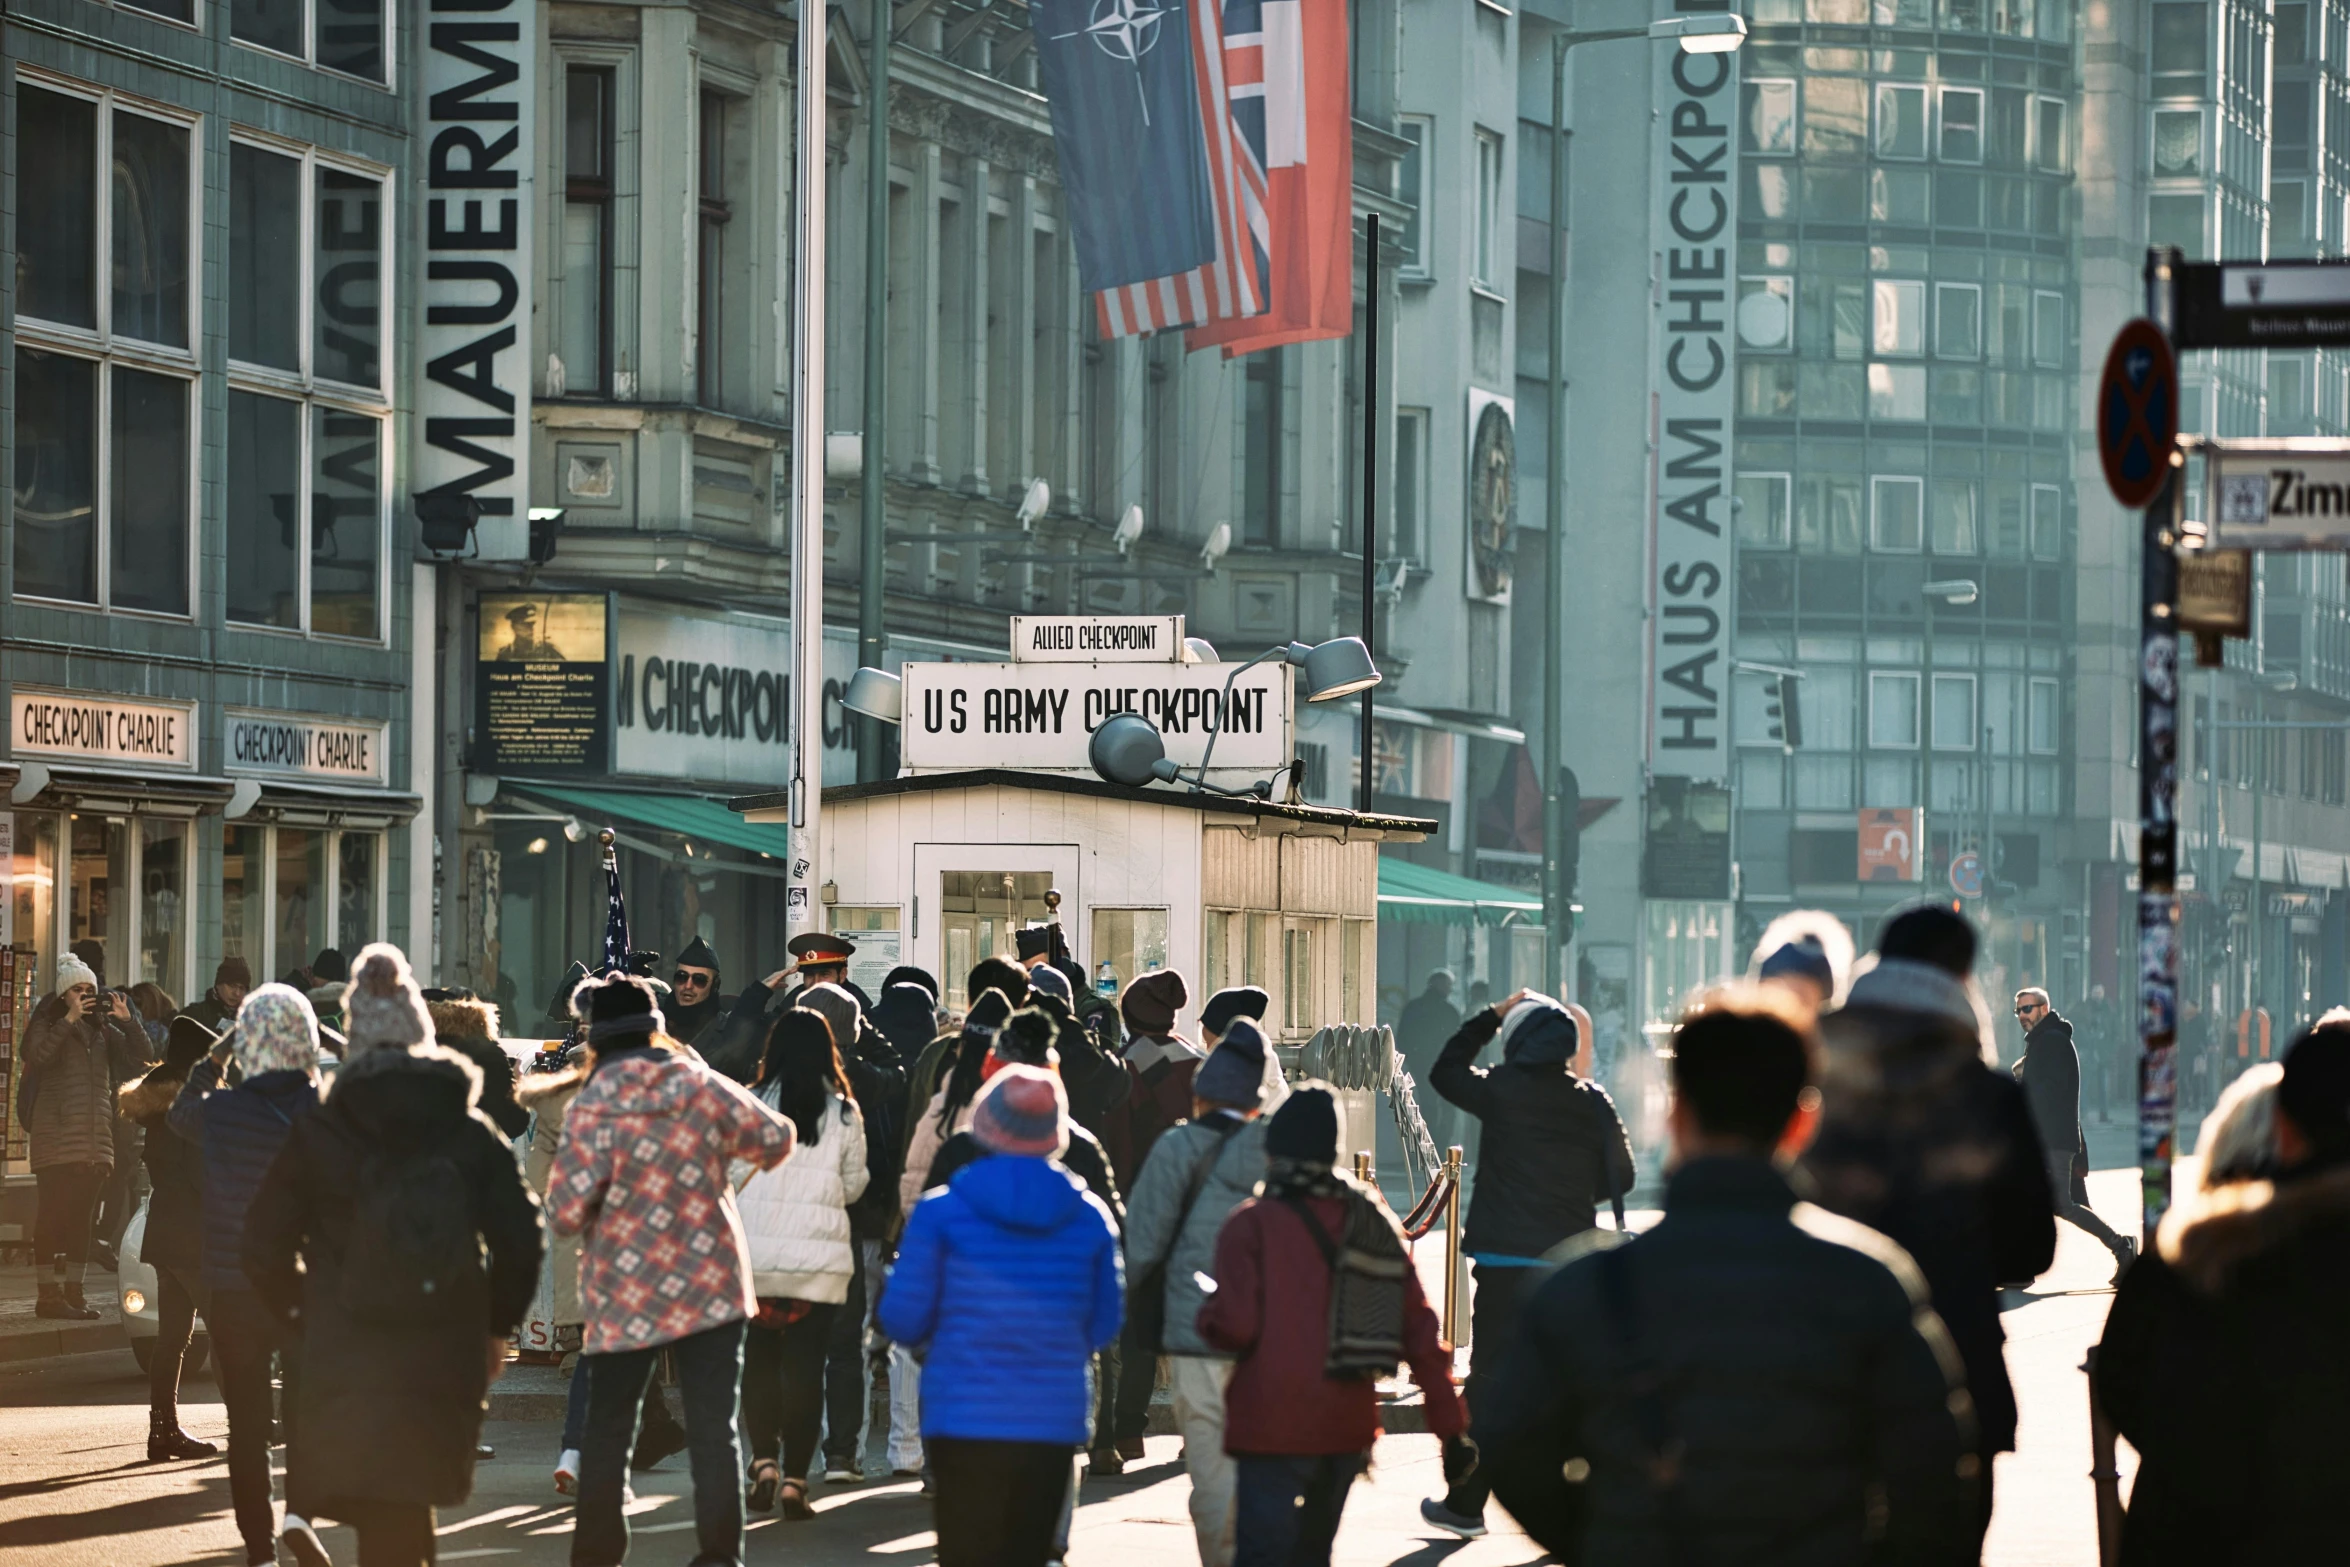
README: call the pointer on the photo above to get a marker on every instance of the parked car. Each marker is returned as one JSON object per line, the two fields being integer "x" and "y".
{"x": 141, "y": 1319}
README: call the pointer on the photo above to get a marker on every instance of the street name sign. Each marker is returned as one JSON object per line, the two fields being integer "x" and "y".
{"x": 2279, "y": 495}
{"x": 2138, "y": 413}
{"x": 2263, "y": 304}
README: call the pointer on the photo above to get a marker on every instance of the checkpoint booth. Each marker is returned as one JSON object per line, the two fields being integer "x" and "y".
{"x": 998, "y": 820}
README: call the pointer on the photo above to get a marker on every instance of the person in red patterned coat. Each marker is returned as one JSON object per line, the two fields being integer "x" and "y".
{"x": 642, "y": 1179}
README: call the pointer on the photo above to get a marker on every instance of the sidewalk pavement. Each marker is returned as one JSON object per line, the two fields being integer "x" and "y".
{"x": 24, "y": 1336}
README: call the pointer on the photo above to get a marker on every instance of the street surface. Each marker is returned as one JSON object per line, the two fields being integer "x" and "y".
{"x": 74, "y": 1491}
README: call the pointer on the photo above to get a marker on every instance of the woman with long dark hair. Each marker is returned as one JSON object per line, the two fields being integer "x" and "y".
{"x": 949, "y": 1110}
{"x": 796, "y": 1218}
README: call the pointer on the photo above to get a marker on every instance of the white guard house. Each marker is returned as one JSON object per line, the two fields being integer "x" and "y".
{"x": 1219, "y": 874}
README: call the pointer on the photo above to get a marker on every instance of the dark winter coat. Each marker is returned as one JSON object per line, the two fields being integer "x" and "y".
{"x": 877, "y": 1074}
{"x": 1272, "y": 1309}
{"x": 1920, "y": 1140}
{"x": 1798, "y": 1371}
{"x": 1553, "y": 1146}
{"x": 733, "y": 1045}
{"x": 687, "y": 1025}
{"x": 2225, "y": 1365}
{"x": 76, "y": 1065}
{"x": 174, "y": 1236}
{"x": 497, "y": 1083}
{"x": 208, "y": 1010}
{"x": 1422, "y": 1028}
{"x": 1096, "y": 1082}
{"x": 2051, "y": 1074}
{"x": 908, "y": 1014}
{"x": 1009, "y": 1282}
{"x": 238, "y": 1132}
{"x": 1085, "y": 1160}
{"x": 389, "y": 1412}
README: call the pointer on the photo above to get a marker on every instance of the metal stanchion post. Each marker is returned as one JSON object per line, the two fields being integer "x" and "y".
{"x": 1363, "y": 1165}
{"x": 2104, "y": 1473}
{"x": 1452, "y": 1245}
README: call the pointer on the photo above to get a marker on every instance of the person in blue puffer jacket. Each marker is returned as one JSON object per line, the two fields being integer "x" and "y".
{"x": 1008, "y": 1280}
{"x": 238, "y": 1132}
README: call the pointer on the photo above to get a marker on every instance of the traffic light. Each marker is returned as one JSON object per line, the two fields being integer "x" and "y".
{"x": 1567, "y": 843}
{"x": 1786, "y": 710}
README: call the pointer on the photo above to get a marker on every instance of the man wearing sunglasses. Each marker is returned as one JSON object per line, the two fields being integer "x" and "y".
{"x": 2051, "y": 1075}
{"x": 693, "y": 1003}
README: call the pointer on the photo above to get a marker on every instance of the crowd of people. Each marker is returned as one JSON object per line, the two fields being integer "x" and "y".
{"x": 1035, "y": 1214}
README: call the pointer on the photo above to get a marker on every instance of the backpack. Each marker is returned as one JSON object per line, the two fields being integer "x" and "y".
{"x": 413, "y": 1255}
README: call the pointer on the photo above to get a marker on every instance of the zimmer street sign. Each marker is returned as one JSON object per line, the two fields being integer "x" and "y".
{"x": 2279, "y": 495}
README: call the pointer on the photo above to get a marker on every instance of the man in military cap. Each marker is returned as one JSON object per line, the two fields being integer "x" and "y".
{"x": 824, "y": 959}
{"x": 523, "y": 644}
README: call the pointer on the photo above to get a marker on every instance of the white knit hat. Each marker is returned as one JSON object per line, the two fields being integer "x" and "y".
{"x": 72, "y": 971}
{"x": 382, "y": 1006}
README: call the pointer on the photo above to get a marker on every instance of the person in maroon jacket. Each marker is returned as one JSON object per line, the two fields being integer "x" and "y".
{"x": 1302, "y": 1410}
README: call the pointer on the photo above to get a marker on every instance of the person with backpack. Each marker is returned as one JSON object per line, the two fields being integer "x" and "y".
{"x": 1007, "y": 1281}
{"x": 642, "y": 1176}
{"x": 1317, "y": 1296}
{"x": 238, "y": 1132}
{"x": 803, "y": 1252}
{"x": 395, "y": 1234}
{"x": 174, "y": 1241}
{"x": 1753, "y": 1379}
{"x": 1196, "y": 1174}
{"x": 1553, "y": 1149}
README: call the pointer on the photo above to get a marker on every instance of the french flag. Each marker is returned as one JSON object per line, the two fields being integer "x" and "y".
{"x": 1286, "y": 61}
{"x": 1233, "y": 284}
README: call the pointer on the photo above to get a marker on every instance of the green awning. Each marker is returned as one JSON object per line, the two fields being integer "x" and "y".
{"x": 693, "y": 815}
{"x": 1417, "y": 894}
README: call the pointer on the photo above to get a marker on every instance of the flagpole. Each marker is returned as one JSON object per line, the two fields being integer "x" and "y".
{"x": 807, "y": 472}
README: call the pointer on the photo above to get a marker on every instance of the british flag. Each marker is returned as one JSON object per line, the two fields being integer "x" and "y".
{"x": 1228, "y": 49}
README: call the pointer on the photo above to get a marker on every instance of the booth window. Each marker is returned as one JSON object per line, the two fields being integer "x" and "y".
{"x": 1128, "y": 943}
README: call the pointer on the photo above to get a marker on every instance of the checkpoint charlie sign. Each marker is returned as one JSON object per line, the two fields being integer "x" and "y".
{"x": 1040, "y": 717}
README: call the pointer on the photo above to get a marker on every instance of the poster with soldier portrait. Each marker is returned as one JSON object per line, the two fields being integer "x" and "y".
{"x": 539, "y": 662}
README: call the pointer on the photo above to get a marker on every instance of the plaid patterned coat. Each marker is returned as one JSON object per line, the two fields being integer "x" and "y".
{"x": 641, "y": 1178}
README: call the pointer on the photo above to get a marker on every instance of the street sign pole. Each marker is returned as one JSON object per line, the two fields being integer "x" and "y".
{"x": 2158, "y": 791}
{"x": 806, "y": 868}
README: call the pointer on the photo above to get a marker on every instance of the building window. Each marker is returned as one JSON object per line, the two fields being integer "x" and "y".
{"x": 1766, "y": 314}
{"x": 2047, "y": 522}
{"x": 1260, "y": 498}
{"x": 2042, "y": 703}
{"x": 2288, "y": 218}
{"x": 1767, "y": 125}
{"x": 1897, "y": 515}
{"x": 2178, "y": 144}
{"x": 1486, "y": 260}
{"x": 1411, "y": 484}
{"x": 337, "y": 35}
{"x": 1419, "y": 134}
{"x": 1958, "y": 320}
{"x": 307, "y": 507}
{"x": 2051, "y": 153}
{"x": 2179, "y": 50}
{"x": 710, "y": 253}
{"x": 2292, "y": 24}
{"x": 1893, "y": 710}
{"x": 1899, "y": 316}
{"x": 1765, "y": 504}
{"x": 1897, "y": 391}
{"x": 1953, "y": 524}
{"x": 1962, "y": 125}
{"x": 1901, "y": 121}
{"x": 2048, "y": 335}
{"x": 586, "y": 310}
{"x": 2288, "y": 401}
{"x": 1954, "y": 712}
{"x": 105, "y": 380}
{"x": 2176, "y": 221}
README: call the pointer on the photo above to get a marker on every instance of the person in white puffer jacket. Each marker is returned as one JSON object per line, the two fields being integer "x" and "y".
{"x": 796, "y": 1218}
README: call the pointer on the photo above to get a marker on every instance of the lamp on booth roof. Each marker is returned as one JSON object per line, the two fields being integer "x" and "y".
{"x": 1339, "y": 667}
{"x": 876, "y": 694}
{"x": 1127, "y": 749}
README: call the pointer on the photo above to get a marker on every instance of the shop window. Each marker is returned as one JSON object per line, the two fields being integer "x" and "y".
{"x": 1767, "y": 125}
{"x": 244, "y": 893}
{"x": 35, "y": 875}
{"x": 355, "y": 857}
{"x": 299, "y": 898}
{"x": 102, "y": 896}
{"x": 163, "y": 904}
{"x": 585, "y": 312}
{"x": 105, "y": 380}
{"x": 335, "y": 35}
{"x": 308, "y": 519}
{"x": 1129, "y": 943}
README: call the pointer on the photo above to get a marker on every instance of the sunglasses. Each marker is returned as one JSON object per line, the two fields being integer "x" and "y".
{"x": 2028, "y": 1008}
{"x": 683, "y": 977}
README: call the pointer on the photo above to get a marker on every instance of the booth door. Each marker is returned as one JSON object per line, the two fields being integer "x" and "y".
{"x": 969, "y": 899}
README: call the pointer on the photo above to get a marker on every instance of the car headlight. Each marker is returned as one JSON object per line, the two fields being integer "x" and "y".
{"x": 133, "y": 1302}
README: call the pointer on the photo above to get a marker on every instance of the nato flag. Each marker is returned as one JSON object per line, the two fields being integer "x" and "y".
{"x": 1124, "y": 95}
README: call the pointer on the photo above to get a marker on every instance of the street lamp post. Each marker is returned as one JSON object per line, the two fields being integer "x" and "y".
{"x": 1957, "y": 592}
{"x": 1720, "y": 34}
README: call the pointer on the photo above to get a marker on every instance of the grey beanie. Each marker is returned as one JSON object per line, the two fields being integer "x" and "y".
{"x": 382, "y": 1006}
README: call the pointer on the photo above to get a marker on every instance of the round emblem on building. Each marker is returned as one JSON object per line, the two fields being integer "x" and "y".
{"x": 1493, "y": 501}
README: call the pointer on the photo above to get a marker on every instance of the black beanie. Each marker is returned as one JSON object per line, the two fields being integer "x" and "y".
{"x": 1151, "y": 1002}
{"x": 1931, "y": 934}
{"x": 1225, "y": 1005}
{"x": 1305, "y": 1128}
{"x": 2315, "y": 1090}
{"x": 997, "y": 974}
{"x": 617, "y": 1009}
{"x": 1027, "y": 1038}
{"x": 907, "y": 974}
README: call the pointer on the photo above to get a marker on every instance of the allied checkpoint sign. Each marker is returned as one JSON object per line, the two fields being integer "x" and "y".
{"x": 1038, "y": 713}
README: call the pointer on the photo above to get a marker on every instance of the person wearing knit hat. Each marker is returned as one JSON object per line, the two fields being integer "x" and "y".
{"x": 1234, "y": 1001}
{"x": 69, "y": 1050}
{"x": 1161, "y": 1063}
{"x": 238, "y": 1133}
{"x": 1149, "y": 1004}
{"x": 1234, "y": 1072}
{"x": 403, "y": 1340}
{"x": 216, "y": 1009}
{"x": 1007, "y": 1282}
{"x": 1316, "y": 1295}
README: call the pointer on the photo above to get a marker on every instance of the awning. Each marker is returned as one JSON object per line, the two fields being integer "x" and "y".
{"x": 693, "y": 815}
{"x": 1417, "y": 894}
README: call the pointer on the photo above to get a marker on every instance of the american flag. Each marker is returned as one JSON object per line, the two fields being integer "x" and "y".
{"x": 615, "y": 918}
{"x": 1228, "y": 51}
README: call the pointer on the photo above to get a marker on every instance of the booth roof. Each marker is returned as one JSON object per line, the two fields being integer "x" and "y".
{"x": 1422, "y": 895}
{"x": 1404, "y": 828}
